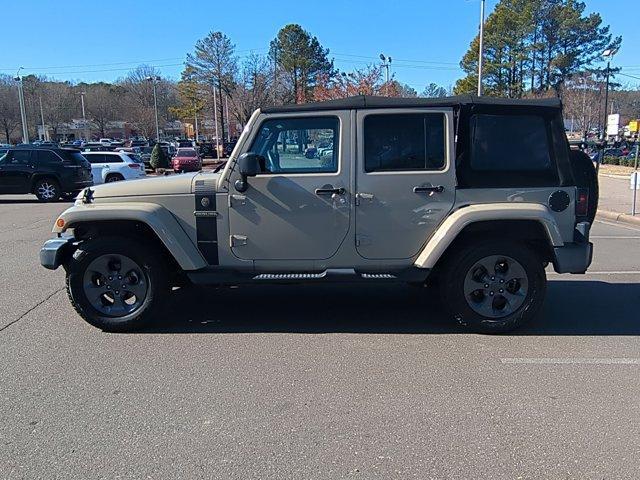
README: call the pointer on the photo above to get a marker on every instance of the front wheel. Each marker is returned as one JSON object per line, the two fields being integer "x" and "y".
{"x": 116, "y": 284}
{"x": 47, "y": 190}
{"x": 493, "y": 288}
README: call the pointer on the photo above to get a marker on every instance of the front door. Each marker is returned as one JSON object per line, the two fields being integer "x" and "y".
{"x": 16, "y": 170}
{"x": 405, "y": 179}
{"x": 298, "y": 206}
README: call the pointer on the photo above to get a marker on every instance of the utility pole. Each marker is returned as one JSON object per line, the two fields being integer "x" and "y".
{"x": 226, "y": 107}
{"x": 386, "y": 63}
{"x": 215, "y": 121}
{"x": 607, "y": 54}
{"x": 195, "y": 114}
{"x": 154, "y": 81}
{"x": 481, "y": 48}
{"x": 85, "y": 128}
{"x": 45, "y": 134}
{"x": 23, "y": 114}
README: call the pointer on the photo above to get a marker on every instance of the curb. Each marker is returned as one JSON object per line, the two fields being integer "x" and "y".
{"x": 618, "y": 217}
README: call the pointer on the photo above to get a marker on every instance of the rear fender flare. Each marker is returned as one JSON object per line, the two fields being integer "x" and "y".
{"x": 449, "y": 230}
{"x": 158, "y": 218}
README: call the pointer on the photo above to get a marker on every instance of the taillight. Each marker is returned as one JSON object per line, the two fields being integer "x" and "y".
{"x": 134, "y": 165}
{"x": 582, "y": 202}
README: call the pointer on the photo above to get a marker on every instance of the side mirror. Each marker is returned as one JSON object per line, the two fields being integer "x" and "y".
{"x": 248, "y": 166}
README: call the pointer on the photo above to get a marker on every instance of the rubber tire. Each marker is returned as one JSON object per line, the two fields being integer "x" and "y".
{"x": 113, "y": 177}
{"x": 452, "y": 286}
{"x": 584, "y": 173}
{"x": 147, "y": 257}
{"x": 52, "y": 182}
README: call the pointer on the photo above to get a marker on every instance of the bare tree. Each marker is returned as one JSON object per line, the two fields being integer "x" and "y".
{"x": 253, "y": 87}
{"x": 103, "y": 103}
{"x": 9, "y": 106}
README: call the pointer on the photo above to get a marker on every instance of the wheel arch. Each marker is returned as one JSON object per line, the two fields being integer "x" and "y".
{"x": 532, "y": 223}
{"x": 36, "y": 177}
{"x": 146, "y": 219}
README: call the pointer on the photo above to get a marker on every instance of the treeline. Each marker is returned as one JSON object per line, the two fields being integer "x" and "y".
{"x": 297, "y": 68}
{"x": 535, "y": 46}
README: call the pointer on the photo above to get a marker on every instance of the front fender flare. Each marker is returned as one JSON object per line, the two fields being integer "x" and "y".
{"x": 158, "y": 218}
{"x": 459, "y": 219}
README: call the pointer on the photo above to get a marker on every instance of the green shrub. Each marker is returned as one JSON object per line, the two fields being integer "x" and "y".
{"x": 611, "y": 161}
{"x": 158, "y": 158}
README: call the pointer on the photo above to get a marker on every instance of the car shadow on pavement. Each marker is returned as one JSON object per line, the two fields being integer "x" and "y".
{"x": 572, "y": 307}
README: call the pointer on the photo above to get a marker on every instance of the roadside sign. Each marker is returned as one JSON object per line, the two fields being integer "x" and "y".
{"x": 613, "y": 124}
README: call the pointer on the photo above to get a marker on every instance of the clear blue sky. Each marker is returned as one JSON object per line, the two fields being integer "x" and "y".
{"x": 102, "y": 40}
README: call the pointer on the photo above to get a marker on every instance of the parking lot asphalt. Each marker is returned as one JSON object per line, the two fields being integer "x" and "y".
{"x": 317, "y": 382}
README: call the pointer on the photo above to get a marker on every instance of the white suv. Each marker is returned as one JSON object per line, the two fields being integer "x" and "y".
{"x": 109, "y": 167}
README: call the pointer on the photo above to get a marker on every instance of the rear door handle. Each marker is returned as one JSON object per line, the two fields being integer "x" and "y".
{"x": 434, "y": 189}
{"x": 330, "y": 191}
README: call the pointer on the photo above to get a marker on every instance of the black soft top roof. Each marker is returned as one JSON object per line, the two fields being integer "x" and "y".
{"x": 366, "y": 101}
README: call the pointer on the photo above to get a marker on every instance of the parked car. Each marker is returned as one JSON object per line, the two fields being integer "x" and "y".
{"x": 228, "y": 149}
{"x": 208, "y": 150}
{"x": 186, "y": 160}
{"x": 613, "y": 152}
{"x": 107, "y": 167}
{"x": 105, "y": 141}
{"x": 445, "y": 193}
{"x": 145, "y": 155}
{"x": 48, "y": 173}
{"x": 185, "y": 143}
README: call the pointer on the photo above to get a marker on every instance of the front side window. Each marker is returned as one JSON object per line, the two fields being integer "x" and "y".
{"x": 18, "y": 157}
{"x": 298, "y": 145}
{"x": 404, "y": 142}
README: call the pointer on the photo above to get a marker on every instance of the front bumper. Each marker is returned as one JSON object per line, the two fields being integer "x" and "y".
{"x": 56, "y": 251}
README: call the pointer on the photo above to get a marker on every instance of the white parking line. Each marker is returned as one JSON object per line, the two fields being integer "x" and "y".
{"x": 613, "y": 237}
{"x": 612, "y": 224}
{"x": 570, "y": 361}
{"x": 613, "y": 272}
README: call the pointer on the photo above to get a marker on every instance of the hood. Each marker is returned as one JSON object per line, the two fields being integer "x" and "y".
{"x": 161, "y": 185}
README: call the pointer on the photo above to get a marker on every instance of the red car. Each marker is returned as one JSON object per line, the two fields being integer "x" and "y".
{"x": 186, "y": 160}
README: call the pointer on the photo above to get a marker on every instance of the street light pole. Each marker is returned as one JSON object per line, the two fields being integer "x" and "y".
{"x": 45, "y": 135}
{"x": 481, "y": 48}
{"x": 153, "y": 81}
{"x": 23, "y": 114}
{"x": 386, "y": 63}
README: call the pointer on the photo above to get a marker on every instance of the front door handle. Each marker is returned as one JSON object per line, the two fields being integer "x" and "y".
{"x": 330, "y": 191}
{"x": 434, "y": 189}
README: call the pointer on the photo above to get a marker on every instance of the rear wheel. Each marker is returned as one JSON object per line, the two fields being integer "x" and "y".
{"x": 493, "y": 288}
{"x": 47, "y": 190}
{"x": 113, "y": 177}
{"x": 116, "y": 284}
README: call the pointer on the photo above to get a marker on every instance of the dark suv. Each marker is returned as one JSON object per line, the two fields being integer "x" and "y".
{"x": 48, "y": 173}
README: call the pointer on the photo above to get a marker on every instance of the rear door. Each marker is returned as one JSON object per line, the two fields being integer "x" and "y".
{"x": 98, "y": 164}
{"x": 405, "y": 179}
{"x": 16, "y": 171}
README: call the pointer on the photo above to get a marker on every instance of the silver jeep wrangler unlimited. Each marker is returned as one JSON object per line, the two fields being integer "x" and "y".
{"x": 474, "y": 196}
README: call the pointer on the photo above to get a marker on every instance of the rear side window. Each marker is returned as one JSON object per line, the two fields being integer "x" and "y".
{"x": 511, "y": 151}
{"x": 404, "y": 142}
{"x": 95, "y": 158}
{"x": 514, "y": 142}
{"x": 113, "y": 159}
{"x": 47, "y": 157}
{"x": 72, "y": 157}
